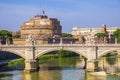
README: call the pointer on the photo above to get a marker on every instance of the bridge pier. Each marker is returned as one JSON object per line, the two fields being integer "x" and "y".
{"x": 92, "y": 66}
{"x": 93, "y": 72}
{"x": 31, "y": 65}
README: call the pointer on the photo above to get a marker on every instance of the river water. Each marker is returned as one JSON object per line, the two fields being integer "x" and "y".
{"x": 62, "y": 69}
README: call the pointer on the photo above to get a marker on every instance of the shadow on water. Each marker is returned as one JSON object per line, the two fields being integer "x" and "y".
{"x": 59, "y": 68}
{"x": 113, "y": 77}
{"x": 5, "y": 75}
{"x": 12, "y": 68}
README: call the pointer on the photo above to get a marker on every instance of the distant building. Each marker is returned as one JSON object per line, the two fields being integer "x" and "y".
{"x": 15, "y": 33}
{"x": 89, "y": 33}
{"x": 41, "y": 28}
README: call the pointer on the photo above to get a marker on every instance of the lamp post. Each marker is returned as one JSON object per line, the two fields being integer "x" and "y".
{"x": 0, "y": 42}
{"x": 61, "y": 41}
{"x": 96, "y": 59}
{"x": 115, "y": 40}
{"x": 6, "y": 41}
{"x": 96, "y": 47}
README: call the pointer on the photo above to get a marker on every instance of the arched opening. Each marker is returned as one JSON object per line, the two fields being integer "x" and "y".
{"x": 110, "y": 62}
{"x": 11, "y": 61}
{"x": 54, "y": 65}
{"x": 61, "y": 59}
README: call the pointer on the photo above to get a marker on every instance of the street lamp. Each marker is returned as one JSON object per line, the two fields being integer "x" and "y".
{"x": 96, "y": 48}
{"x": 0, "y": 42}
{"x": 96, "y": 59}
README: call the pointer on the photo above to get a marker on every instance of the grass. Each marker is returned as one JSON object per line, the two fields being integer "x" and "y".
{"x": 17, "y": 62}
{"x": 44, "y": 58}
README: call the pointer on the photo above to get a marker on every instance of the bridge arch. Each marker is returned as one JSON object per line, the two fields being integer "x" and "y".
{"x": 50, "y": 50}
{"x": 106, "y": 52}
{"x": 14, "y": 52}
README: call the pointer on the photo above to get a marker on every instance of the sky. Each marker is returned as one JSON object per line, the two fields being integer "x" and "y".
{"x": 70, "y": 13}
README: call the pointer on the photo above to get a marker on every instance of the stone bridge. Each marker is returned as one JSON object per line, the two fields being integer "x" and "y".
{"x": 30, "y": 53}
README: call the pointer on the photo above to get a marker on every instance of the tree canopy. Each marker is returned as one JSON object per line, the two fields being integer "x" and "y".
{"x": 4, "y": 35}
{"x": 101, "y": 34}
{"x": 117, "y": 35}
{"x": 66, "y": 35}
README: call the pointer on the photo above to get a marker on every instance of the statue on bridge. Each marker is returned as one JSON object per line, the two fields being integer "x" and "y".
{"x": 30, "y": 40}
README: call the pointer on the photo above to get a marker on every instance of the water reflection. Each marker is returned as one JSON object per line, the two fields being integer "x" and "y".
{"x": 63, "y": 63}
{"x": 5, "y": 76}
{"x": 58, "y": 69}
{"x": 50, "y": 75}
{"x": 66, "y": 69}
{"x": 30, "y": 76}
{"x": 111, "y": 60}
{"x": 10, "y": 75}
{"x": 93, "y": 76}
{"x": 55, "y": 75}
{"x": 110, "y": 64}
{"x": 113, "y": 77}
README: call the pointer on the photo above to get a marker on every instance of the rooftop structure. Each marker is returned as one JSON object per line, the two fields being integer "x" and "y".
{"x": 40, "y": 27}
{"x": 92, "y": 31}
{"x": 89, "y": 33}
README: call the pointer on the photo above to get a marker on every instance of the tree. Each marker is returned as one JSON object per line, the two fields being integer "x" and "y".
{"x": 117, "y": 35}
{"x": 65, "y": 53}
{"x": 101, "y": 34}
{"x": 16, "y": 36}
{"x": 101, "y": 38}
{"x": 83, "y": 40}
{"x": 66, "y": 35}
{"x": 5, "y": 35}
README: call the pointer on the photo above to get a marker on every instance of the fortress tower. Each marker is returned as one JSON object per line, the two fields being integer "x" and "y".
{"x": 41, "y": 28}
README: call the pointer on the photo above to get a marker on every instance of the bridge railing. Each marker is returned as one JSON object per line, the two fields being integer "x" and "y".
{"x": 65, "y": 45}
{"x": 78, "y": 45}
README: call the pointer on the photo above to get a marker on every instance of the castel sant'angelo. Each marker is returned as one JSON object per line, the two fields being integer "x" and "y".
{"x": 41, "y": 28}
{"x": 46, "y": 30}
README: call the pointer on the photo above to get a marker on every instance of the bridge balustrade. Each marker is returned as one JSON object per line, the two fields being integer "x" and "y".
{"x": 65, "y": 45}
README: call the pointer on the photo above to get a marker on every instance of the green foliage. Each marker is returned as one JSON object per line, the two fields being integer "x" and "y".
{"x": 47, "y": 56}
{"x": 64, "y": 53}
{"x": 16, "y": 36}
{"x": 44, "y": 58}
{"x": 5, "y": 32}
{"x": 16, "y": 62}
{"x": 111, "y": 59}
{"x": 101, "y": 34}
{"x": 65, "y": 62}
{"x": 110, "y": 54}
{"x": 83, "y": 40}
{"x": 117, "y": 35}
{"x": 4, "y": 35}
{"x": 61, "y": 53}
{"x": 66, "y": 35}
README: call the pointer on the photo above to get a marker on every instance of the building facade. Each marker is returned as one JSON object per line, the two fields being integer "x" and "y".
{"x": 89, "y": 33}
{"x": 40, "y": 28}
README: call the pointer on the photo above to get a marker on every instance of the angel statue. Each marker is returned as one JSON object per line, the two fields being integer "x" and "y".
{"x": 30, "y": 40}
